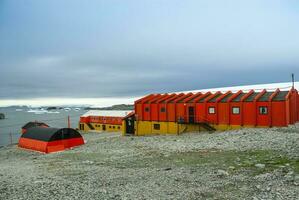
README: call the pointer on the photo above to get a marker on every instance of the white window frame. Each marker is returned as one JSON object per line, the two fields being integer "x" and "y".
{"x": 235, "y": 110}
{"x": 212, "y": 110}
{"x": 266, "y": 110}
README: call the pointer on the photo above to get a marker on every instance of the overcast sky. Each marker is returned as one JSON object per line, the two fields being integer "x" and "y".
{"x": 123, "y": 48}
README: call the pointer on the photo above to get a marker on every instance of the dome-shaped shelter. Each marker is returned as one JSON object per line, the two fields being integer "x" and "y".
{"x": 33, "y": 124}
{"x": 49, "y": 140}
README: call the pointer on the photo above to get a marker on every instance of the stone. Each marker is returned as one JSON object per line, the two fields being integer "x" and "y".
{"x": 258, "y": 187}
{"x": 222, "y": 173}
{"x": 260, "y": 165}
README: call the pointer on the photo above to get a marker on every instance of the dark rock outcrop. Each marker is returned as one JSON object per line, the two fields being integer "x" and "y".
{"x": 2, "y": 116}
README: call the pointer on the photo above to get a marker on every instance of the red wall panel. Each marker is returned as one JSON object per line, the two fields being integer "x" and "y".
{"x": 171, "y": 112}
{"x": 200, "y": 111}
{"x": 263, "y": 119}
{"x": 211, "y": 118}
{"x": 235, "y": 119}
{"x": 249, "y": 113}
{"x": 139, "y": 111}
{"x": 163, "y": 115}
{"x": 154, "y": 112}
{"x": 146, "y": 112}
{"x": 223, "y": 113}
{"x": 181, "y": 111}
{"x": 279, "y": 113}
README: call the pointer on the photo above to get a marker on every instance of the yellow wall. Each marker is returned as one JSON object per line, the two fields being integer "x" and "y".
{"x": 143, "y": 128}
{"x": 148, "y": 128}
{"x": 99, "y": 127}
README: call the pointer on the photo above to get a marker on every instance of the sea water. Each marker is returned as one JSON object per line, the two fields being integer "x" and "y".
{"x": 10, "y": 127}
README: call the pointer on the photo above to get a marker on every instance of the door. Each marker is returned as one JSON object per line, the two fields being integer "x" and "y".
{"x": 104, "y": 127}
{"x": 130, "y": 128}
{"x": 191, "y": 114}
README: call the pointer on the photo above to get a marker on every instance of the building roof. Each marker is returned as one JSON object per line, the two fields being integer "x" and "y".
{"x": 107, "y": 113}
{"x": 281, "y": 96}
{"x": 239, "y": 97}
{"x": 213, "y": 100}
{"x": 205, "y": 97}
{"x": 50, "y": 134}
{"x": 252, "y": 95}
{"x": 225, "y": 99}
{"x": 34, "y": 124}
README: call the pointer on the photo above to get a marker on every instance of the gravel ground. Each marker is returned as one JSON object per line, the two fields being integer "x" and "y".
{"x": 241, "y": 164}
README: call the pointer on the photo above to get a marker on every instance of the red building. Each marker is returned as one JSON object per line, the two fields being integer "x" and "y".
{"x": 102, "y": 120}
{"x": 216, "y": 110}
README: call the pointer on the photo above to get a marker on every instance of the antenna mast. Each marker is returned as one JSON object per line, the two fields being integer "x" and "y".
{"x": 293, "y": 81}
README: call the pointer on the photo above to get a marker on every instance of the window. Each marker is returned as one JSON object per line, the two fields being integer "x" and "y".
{"x": 212, "y": 110}
{"x": 236, "y": 110}
{"x": 163, "y": 109}
{"x": 81, "y": 126}
{"x": 157, "y": 126}
{"x": 263, "y": 110}
{"x": 146, "y": 109}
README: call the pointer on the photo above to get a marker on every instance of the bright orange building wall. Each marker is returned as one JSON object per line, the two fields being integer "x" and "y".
{"x": 263, "y": 120}
{"x": 139, "y": 111}
{"x": 180, "y": 111}
{"x": 200, "y": 111}
{"x": 154, "y": 112}
{"x": 235, "y": 119}
{"x": 212, "y": 118}
{"x": 162, "y": 115}
{"x": 279, "y": 113}
{"x": 223, "y": 113}
{"x": 249, "y": 113}
{"x": 171, "y": 112}
{"x": 146, "y": 114}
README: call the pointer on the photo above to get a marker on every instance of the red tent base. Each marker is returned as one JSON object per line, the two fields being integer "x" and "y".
{"x": 50, "y": 147}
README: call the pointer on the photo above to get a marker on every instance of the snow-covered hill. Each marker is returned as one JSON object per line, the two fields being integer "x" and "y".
{"x": 246, "y": 88}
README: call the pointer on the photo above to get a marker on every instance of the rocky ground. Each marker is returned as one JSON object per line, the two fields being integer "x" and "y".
{"x": 241, "y": 164}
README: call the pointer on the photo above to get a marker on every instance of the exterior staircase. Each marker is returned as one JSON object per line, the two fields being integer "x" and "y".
{"x": 90, "y": 126}
{"x": 202, "y": 123}
{"x": 207, "y": 126}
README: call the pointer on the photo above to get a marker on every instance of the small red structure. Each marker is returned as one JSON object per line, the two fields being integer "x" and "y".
{"x": 33, "y": 124}
{"x": 48, "y": 140}
{"x": 101, "y": 120}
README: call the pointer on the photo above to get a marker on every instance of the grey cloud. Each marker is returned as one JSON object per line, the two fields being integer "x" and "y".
{"x": 132, "y": 49}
